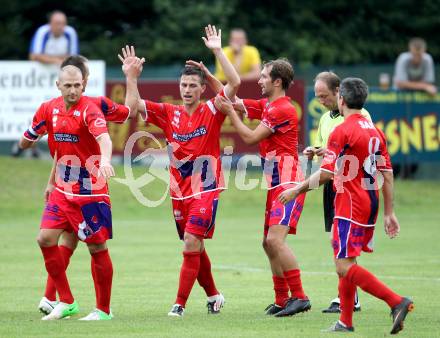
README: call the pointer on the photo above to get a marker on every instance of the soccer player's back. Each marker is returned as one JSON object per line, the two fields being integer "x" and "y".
{"x": 358, "y": 160}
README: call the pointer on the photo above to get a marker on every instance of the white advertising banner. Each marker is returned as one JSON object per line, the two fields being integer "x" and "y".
{"x": 25, "y": 85}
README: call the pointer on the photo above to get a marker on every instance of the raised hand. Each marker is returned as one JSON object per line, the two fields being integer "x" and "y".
{"x": 213, "y": 40}
{"x": 199, "y": 65}
{"x": 131, "y": 64}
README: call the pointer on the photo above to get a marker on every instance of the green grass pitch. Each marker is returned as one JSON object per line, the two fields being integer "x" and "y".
{"x": 146, "y": 255}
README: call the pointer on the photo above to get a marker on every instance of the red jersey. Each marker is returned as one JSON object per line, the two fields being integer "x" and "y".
{"x": 113, "y": 112}
{"x": 72, "y": 134}
{"x": 279, "y": 153}
{"x": 193, "y": 146}
{"x": 356, "y": 151}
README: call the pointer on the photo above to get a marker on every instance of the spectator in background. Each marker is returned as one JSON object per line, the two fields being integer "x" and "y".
{"x": 414, "y": 70}
{"x": 51, "y": 44}
{"x": 245, "y": 59}
{"x": 54, "y": 41}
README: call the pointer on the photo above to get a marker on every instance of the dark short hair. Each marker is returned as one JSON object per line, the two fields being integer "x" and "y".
{"x": 78, "y": 61}
{"x": 354, "y": 91}
{"x": 417, "y": 43}
{"x": 281, "y": 69}
{"x": 330, "y": 79}
{"x": 191, "y": 70}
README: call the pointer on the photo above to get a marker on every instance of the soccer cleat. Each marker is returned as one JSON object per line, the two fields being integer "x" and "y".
{"x": 272, "y": 309}
{"x": 176, "y": 311}
{"x": 399, "y": 313}
{"x": 294, "y": 306}
{"x": 335, "y": 307}
{"x": 98, "y": 315}
{"x": 339, "y": 327}
{"x": 215, "y": 303}
{"x": 46, "y": 306}
{"x": 62, "y": 310}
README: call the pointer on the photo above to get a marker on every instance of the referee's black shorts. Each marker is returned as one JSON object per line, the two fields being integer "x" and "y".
{"x": 329, "y": 210}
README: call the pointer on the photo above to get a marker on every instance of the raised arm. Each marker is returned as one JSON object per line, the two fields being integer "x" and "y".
{"x": 132, "y": 68}
{"x": 213, "y": 83}
{"x": 214, "y": 42}
{"x": 248, "y": 135}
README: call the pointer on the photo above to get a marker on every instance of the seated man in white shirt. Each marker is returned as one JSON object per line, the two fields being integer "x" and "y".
{"x": 54, "y": 41}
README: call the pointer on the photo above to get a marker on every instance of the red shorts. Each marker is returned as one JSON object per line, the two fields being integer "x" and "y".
{"x": 350, "y": 239}
{"x": 278, "y": 213}
{"x": 89, "y": 217}
{"x": 196, "y": 215}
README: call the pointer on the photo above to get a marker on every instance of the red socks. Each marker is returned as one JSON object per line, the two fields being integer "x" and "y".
{"x": 361, "y": 277}
{"x": 281, "y": 289}
{"x": 188, "y": 275}
{"x": 293, "y": 278}
{"x": 347, "y": 292}
{"x": 56, "y": 270}
{"x": 204, "y": 277}
{"x": 102, "y": 272}
{"x": 50, "y": 292}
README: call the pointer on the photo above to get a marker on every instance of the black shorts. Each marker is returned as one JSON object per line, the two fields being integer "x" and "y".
{"x": 329, "y": 209}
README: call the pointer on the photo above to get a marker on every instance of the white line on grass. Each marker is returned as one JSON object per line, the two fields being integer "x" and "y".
{"x": 242, "y": 268}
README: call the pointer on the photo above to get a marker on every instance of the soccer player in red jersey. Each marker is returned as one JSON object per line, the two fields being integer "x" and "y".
{"x": 113, "y": 112}
{"x": 358, "y": 161}
{"x": 277, "y": 135}
{"x": 192, "y": 131}
{"x": 80, "y": 201}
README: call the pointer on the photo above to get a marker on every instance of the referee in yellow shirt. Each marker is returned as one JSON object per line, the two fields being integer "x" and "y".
{"x": 245, "y": 59}
{"x": 326, "y": 91}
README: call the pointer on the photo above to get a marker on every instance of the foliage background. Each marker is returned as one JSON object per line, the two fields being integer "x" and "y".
{"x": 168, "y": 31}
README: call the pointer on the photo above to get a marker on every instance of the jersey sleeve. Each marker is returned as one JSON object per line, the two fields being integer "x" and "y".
{"x": 384, "y": 163}
{"x": 219, "y": 116}
{"x": 335, "y": 146}
{"x": 38, "y": 126}
{"x": 277, "y": 120}
{"x": 95, "y": 121}
{"x": 113, "y": 112}
{"x": 155, "y": 113}
{"x": 254, "y": 109}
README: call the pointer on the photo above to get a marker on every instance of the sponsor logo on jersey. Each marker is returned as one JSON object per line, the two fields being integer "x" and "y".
{"x": 63, "y": 137}
{"x": 187, "y": 137}
{"x": 55, "y": 111}
{"x": 176, "y": 119}
{"x": 100, "y": 122}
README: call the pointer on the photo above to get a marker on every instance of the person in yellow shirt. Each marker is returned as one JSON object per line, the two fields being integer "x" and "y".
{"x": 326, "y": 91}
{"x": 246, "y": 59}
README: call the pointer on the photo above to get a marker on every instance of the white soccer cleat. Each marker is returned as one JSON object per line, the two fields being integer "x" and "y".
{"x": 62, "y": 310}
{"x": 215, "y": 303}
{"x": 98, "y": 315}
{"x": 46, "y": 306}
{"x": 176, "y": 311}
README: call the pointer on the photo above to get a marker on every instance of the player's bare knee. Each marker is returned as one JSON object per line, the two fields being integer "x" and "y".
{"x": 191, "y": 242}
{"x": 96, "y": 247}
{"x": 69, "y": 240}
{"x": 273, "y": 243}
{"x": 45, "y": 240}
